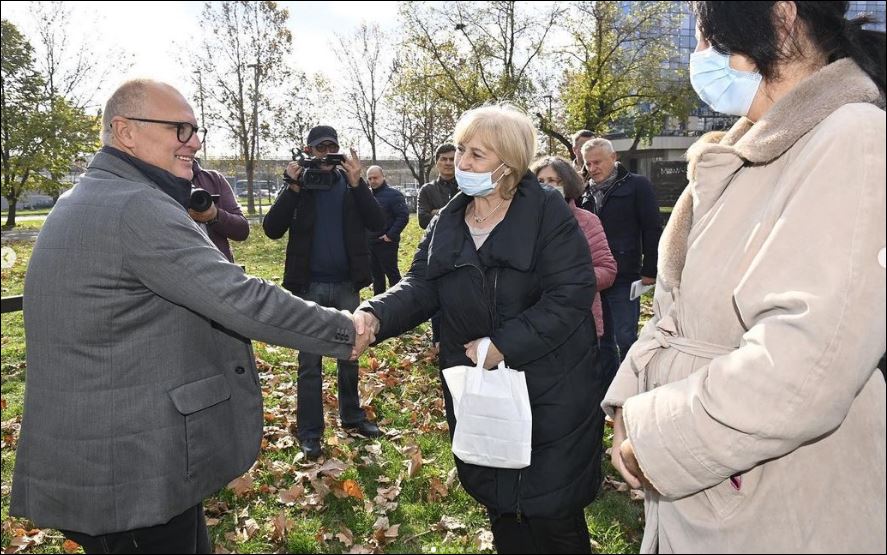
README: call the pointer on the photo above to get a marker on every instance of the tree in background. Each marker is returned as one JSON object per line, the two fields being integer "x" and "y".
{"x": 42, "y": 132}
{"x": 368, "y": 78}
{"x": 67, "y": 58}
{"x": 418, "y": 119}
{"x": 241, "y": 62}
{"x": 619, "y": 78}
{"x": 486, "y": 51}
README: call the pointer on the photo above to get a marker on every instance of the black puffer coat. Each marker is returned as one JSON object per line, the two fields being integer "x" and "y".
{"x": 529, "y": 288}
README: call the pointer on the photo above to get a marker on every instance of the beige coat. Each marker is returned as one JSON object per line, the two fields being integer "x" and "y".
{"x": 760, "y": 361}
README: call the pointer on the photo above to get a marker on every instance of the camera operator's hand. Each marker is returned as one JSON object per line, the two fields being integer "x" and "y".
{"x": 207, "y": 215}
{"x": 353, "y": 168}
{"x": 294, "y": 170}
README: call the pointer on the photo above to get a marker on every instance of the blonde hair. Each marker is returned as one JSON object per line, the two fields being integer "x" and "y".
{"x": 508, "y": 132}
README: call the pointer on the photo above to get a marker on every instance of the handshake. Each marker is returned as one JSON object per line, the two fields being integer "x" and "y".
{"x": 366, "y": 326}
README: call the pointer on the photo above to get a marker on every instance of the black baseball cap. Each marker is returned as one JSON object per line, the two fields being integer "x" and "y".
{"x": 321, "y": 134}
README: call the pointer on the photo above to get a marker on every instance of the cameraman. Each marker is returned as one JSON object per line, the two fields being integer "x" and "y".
{"x": 328, "y": 262}
{"x": 224, "y": 220}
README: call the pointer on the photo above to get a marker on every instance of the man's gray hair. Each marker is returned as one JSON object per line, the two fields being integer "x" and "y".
{"x": 376, "y": 168}
{"x": 127, "y": 101}
{"x": 600, "y": 143}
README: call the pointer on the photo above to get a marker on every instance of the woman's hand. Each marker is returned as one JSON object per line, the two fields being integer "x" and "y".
{"x": 622, "y": 454}
{"x": 494, "y": 356}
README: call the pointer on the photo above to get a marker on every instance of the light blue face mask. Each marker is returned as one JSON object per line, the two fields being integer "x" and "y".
{"x": 724, "y": 89}
{"x": 476, "y": 184}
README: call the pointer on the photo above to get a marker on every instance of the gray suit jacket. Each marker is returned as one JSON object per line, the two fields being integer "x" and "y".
{"x": 139, "y": 401}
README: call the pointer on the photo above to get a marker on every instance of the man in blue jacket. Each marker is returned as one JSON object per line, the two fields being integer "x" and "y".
{"x": 327, "y": 213}
{"x": 384, "y": 247}
{"x": 626, "y": 205}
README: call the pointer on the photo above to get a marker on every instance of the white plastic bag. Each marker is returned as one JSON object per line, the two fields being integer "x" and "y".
{"x": 494, "y": 425}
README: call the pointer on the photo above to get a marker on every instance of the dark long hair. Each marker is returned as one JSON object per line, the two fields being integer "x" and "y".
{"x": 570, "y": 180}
{"x": 750, "y": 28}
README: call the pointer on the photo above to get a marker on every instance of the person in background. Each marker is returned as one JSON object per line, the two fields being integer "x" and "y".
{"x": 224, "y": 220}
{"x": 559, "y": 174}
{"x": 384, "y": 247}
{"x": 626, "y": 204}
{"x": 433, "y": 196}
{"x": 580, "y": 138}
{"x": 327, "y": 262}
{"x": 751, "y": 408}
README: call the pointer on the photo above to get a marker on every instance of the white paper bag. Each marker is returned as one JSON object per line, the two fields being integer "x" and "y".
{"x": 494, "y": 425}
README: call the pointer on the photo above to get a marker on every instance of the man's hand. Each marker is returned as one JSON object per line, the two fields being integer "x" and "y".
{"x": 366, "y": 325}
{"x": 353, "y": 168}
{"x": 294, "y": 171}
{"x": 385, "y": 238}
{"x": 648, "y": 280}
{"x": 207, "y": 215}
{"x": 494, "y": 356}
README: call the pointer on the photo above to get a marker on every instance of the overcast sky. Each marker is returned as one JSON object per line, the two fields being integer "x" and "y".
{"x": 155, "y": 32}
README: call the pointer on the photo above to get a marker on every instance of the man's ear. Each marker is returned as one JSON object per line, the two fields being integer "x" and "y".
{"x": 122, "y": 130}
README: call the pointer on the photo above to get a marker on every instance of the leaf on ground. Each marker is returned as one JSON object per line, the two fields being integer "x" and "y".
{"x": 346, "y": 536}
{"x": 483, "y": 540}
{"x": 414, "y": 464}
{"x": 241, "y": 486}
{"x": 448, "y": 523}
{"x": 437, "y": 491}
{"x": 292, "y": 495}
{"x": 280, "y": 525}
{"x": 352, "y": 488}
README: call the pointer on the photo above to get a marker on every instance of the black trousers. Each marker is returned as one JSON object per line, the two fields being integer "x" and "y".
{"x": 384, "y": 264}
{"x": 185, "y": 533}
{"x": 540, "y": 535}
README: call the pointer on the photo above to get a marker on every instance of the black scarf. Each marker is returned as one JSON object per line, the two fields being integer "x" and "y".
{"x": 176, "y": 187}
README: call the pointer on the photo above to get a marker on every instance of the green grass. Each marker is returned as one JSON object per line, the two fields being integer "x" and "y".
{"x": 402, "y": 380}
{"x": 20, "y": 212}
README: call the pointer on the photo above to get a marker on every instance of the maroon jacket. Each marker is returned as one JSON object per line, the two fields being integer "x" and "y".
{"x": 601, "y": 258}
{"x": 231, "y": 223}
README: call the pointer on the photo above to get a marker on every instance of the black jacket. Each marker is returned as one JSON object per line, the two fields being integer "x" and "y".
{"x": 295, "y": 212}
{"x": 631, "y": 220}
{"x": 529, "y": 288}
{"x": 394, "y": 207}
{"x": 433, "y": 196}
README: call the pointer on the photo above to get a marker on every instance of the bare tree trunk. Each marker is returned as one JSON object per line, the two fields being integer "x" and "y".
{"x": 10, "y": 216}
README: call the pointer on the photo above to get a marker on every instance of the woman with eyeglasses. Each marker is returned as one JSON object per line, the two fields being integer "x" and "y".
{"x": 560, "y": 175}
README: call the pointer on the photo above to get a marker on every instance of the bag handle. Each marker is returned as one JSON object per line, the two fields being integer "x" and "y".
{"x": 482, "y": 349}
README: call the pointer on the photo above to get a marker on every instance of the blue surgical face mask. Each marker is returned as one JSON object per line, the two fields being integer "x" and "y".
{"x": 476, "y": 184}
{"x": 724, "y": 89}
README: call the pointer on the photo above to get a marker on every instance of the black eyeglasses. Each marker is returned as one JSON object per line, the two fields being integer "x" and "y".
{"x": 184, "y": 129}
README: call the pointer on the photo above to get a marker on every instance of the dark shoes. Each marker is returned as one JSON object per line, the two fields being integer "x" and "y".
{"x": 365, "y": 428}
{"x": 311, "y": 448}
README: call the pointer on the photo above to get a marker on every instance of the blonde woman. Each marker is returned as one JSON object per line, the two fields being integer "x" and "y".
{"x": 505, "y": 259}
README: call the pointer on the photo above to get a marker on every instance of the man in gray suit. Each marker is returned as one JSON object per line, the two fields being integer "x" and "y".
{"x": 142, "y": 394}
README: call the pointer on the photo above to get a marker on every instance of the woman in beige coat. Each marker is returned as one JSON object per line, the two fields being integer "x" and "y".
{"x": 751, "y": 408}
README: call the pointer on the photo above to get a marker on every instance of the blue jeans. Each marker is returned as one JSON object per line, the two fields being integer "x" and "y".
{"x": 621, "y": 317}
{"x": 310, "y": 385}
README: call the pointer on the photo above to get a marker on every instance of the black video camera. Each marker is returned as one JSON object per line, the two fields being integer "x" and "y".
{"x": 201, "y": 200}
{"x": 313, "y": 177}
